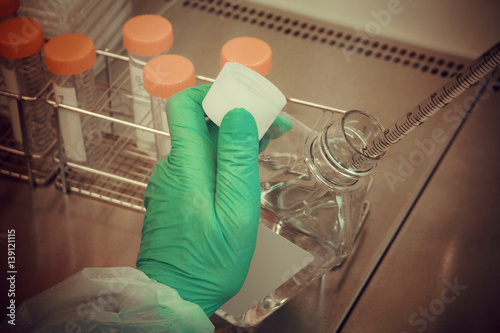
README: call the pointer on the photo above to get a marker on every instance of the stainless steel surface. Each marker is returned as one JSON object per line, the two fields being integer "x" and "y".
{"x": 393, "y": 271}
{"x": 462, "y": 27}
{"x": 59, "y": 234}
{"x": 450, "y": 238}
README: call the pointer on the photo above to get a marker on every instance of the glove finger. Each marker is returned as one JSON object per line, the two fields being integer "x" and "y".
{"x": 237, "y": 197}
{"x": 185, "y": 113}
{"x": 193, "y": 152}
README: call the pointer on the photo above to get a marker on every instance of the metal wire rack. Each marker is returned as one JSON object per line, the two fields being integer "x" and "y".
{"x": 16, "y": 160}
{"x": 121, "y": 174}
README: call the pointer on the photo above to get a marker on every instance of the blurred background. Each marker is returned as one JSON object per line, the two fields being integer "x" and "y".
{"x": 426, "y": 257}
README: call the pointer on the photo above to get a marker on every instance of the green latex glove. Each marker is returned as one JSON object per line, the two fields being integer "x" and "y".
{"x": 202, "y": 204}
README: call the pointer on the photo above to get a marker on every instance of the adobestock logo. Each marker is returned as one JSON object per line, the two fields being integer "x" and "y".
{"x": 420, "y": 319}
{"x": 29, "y": 31}
{"x": 425, "y": 148}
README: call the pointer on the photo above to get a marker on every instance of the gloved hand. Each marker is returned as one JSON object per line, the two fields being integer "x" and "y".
{"x": 202, "y": 204}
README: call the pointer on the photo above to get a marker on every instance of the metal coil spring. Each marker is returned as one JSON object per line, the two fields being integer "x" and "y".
{"x": 469, "y": 76}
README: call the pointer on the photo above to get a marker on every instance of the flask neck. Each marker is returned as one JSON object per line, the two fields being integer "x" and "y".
{"x": 335, "y": 156}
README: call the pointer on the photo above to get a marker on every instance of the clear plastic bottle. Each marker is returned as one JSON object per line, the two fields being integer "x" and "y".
{"x": 144, "y": 37}
{"x": 313, "y": 187}
{"x": 70, "y": 59}
{"x": 21, "y": 42}
{"x": 164, "y": 76}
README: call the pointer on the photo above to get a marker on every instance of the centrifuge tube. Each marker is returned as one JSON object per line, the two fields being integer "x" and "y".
{"x": 70, "y": 59}
{"x": 21, "y": 42}
{"x": 164, "y": 76}
{"x": 144, "y": 37}
{"x": 8, "y": 9}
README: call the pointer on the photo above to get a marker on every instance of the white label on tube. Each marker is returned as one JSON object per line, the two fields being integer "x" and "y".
{"x": 137, "y": 80}
{"x": 71, "y": 129}
{"x": 275, "y": 260}
{"x": 11, "y": 86}
{"x": 142, "y": 109}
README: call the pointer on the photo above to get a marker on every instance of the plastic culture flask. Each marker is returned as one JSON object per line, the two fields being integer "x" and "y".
{"x": 144, "y": 37}
{"x": 313, "y": 187}
{"x": 21, "y": 42}
{"x": 70, "y": 58}
{"x": 164, "y": 76}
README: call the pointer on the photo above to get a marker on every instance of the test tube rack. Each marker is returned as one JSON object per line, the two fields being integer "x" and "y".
{"x": 17, "y": 161}
{"x": 121, "y": 175}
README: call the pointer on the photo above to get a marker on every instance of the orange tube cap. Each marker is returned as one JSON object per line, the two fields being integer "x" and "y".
{"x": 8, "y": 7}
{"x": 148, "y": 35}
{"x": 248, "y": 51}
{"x": 168, "y": 74}
{"x": 20, "y": 37}
{"x": 69, "y": 54}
